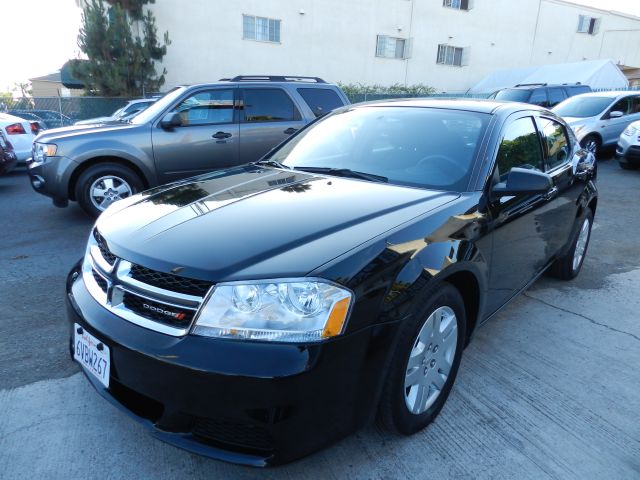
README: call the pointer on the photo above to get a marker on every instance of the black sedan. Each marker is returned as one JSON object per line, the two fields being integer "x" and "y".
{"x": 259, "y": 313}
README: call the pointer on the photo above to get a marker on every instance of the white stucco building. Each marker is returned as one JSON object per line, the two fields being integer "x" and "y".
{"x": 447, "y": 44}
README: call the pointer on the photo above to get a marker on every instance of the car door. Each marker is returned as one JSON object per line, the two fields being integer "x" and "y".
{"x": 612, "y": 127}
{"x": 208, "y": 138}
{"x": 520, "y": 224}
{"x": 268, "y": 116}
{"x": 560, "y": 163}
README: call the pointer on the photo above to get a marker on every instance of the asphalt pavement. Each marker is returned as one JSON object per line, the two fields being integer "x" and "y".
{"x": 549, "y": 388}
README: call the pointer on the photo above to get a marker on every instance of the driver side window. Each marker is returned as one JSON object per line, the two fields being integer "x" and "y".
{"x": 520, "y": 147}
{"x": 556, "y": 141}
{"x": 206, "y": 108}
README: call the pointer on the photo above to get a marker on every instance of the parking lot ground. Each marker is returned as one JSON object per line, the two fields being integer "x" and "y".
{"x": 549, "y": 388}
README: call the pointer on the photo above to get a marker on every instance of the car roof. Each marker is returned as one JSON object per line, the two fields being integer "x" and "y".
{"x": 610, "y": 93}
{"x": 472, "y": 105}
{"x": 545, "y": 85}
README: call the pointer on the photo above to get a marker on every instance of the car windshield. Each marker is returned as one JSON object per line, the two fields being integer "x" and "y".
{"x": 150, "y": 113}
{"x": 582, "y": 107}
{"x": 513, "y": 95}
{"x": 420, "y": 147}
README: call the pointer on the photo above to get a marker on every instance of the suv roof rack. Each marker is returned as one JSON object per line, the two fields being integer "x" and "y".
{"x": 273, "y": 78}
{"x": 531, "y": 85}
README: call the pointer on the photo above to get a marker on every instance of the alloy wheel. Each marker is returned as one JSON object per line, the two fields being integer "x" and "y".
{"x": 431, "y": 360}
{"x": 581, "y": 244}
{"x": 107, "y": 189}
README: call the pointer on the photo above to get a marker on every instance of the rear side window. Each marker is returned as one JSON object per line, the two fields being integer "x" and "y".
{"x": 320, "y": 100}
{"x": 539, "y": 97}
{"x": 556, "y": 95}
{"x": 557, "y": 143}
{"x": 268, "y": 105}
{"x": 520, "y": 147}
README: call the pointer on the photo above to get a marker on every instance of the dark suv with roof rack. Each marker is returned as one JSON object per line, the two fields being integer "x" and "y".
{"x": 191, "y": 130}
{"x": 540, "y": 94}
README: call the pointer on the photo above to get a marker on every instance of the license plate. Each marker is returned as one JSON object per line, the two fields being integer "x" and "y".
{"x": 92, "y": 354}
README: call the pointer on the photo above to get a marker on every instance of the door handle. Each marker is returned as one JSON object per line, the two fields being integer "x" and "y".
{"x": 551, "y": 193}
{"x": 221, "y": 135}
{"x": 290, "y": 130}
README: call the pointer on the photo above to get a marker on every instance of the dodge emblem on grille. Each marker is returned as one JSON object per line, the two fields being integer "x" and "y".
{"x": 176, "y": 315}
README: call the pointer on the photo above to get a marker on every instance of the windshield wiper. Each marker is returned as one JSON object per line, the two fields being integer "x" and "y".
{"x": 345, "y": 172}
{"x": 271, "y": 163}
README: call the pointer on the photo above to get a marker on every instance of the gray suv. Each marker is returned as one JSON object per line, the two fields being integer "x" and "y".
{"x": 191, "y": 130}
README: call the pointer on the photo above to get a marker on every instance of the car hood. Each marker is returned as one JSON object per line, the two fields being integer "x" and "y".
{"x": 54, "y": 134}
{"x": 254, "y": 222}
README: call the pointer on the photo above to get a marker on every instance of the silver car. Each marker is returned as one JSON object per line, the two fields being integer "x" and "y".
{"x": 628, "y": 149}
{"x": 599, "y": 118}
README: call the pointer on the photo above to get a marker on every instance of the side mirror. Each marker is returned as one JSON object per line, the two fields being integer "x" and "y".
{"x": 616, "y": 114}
{"x": 522, "y": 181}
{"x": 171, "y": 120}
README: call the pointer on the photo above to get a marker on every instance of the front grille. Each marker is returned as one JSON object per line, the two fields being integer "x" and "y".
{"x": 154, "y": 311}
{"x": 109, "y": 257}
{"x": 169, "y": 281}
{"x": 102, "y": 283}
{"x": 232, "y": 433}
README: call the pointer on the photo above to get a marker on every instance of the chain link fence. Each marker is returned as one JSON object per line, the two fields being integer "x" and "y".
{"x": 54, "y": 112}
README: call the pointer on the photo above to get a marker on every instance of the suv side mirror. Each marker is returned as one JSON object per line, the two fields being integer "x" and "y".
{"x": 616, "y": 114}
{"x": 522, "y": 181}
{"x": 171, "y": 120}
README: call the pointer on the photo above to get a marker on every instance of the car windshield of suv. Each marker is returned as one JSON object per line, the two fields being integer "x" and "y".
{"x": 582, "y": 107}
{"x": 157, "y": 107}
{"x": 513, "y": 95}
{"x": 420, "y": 147}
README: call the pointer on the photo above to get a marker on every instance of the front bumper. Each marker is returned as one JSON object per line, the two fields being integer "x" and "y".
{"x": 51, "y": 178}
{"x": 627, "y": 150}
{"x": 252, "y": 403}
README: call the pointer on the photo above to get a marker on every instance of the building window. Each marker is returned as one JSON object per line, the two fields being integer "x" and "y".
{"x": 458, "y": 4}
{"x": 450, "y": 55}
{"x": 260, "y": 28}
{"x": 588, "y": 25}
{"x": 391, "y": 47}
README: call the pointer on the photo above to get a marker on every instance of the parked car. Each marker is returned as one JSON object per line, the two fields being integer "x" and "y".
{"x": 32, "y": 117}
{"x": 540, "y": 94}
{"x": 131, "y": 108}
{"x": 191, "y": 130}
{"x": 628, "y": 148}
{"x": 259, "y": 313}
{"x": 52, "y": 118}
{"x": 20, "y": 133}
{"x": 7, "y": 155}
{"x": 599, "y": 118}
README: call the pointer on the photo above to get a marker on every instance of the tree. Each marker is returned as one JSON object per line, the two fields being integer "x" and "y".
{"x": 120, "y": 62}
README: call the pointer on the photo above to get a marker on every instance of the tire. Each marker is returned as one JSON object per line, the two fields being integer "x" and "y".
{"x": 568, "y": 266}
{"x": 116, "y": 180}
{"x": 400, "y": 410}
{"x": 592, "y": 143}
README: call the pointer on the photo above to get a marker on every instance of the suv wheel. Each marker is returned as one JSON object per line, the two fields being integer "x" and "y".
{"x": 425, "y": 362}
{"x": 101, "y": 185}
{"x": 592, "y": 143}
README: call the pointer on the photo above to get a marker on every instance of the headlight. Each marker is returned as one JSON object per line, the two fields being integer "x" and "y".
{"x": 286, "y": 310}
{"x": 43, "y": 150}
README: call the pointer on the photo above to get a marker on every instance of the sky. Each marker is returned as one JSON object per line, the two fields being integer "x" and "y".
{"x": 38, "y": 36}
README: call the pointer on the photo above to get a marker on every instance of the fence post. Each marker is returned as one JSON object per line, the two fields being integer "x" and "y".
{"x": 60, "y": 109}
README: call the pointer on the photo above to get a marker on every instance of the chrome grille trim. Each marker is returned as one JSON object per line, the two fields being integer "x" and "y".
{"x": 119, "y": 281}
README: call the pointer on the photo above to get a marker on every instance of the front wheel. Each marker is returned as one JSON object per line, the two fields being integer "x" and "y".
{"x": 568, "y": 266}
{"x": 592, "y": 143}
{"x": 102, "y": 184}
{"x": 425, "y": 362}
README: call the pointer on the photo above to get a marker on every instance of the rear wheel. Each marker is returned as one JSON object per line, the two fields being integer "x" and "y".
{"x": 102, "y": 184}
{"x": 568, "y": 266}
{"x": 425, "y": 362}
{"x": 592, "y": 143}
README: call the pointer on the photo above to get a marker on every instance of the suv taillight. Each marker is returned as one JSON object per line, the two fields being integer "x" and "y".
{"x": 15, "y": 129}
{"x": 35, "y": 127}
